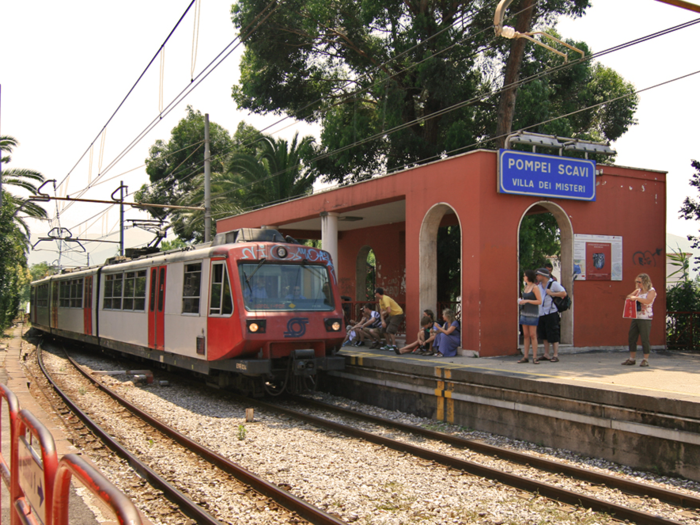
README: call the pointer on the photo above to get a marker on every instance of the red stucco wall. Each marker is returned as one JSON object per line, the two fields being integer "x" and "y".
{"x": 630, "y": 203}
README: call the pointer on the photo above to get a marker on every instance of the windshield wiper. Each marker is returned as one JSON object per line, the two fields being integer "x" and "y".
{"x": 247, "y": 279}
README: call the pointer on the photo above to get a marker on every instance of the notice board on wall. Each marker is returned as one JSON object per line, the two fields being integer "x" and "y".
{"x": 597, "y": 257}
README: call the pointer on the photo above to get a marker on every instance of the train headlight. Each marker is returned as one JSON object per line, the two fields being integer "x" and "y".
{"x": 256, "y": 326}
{"x": 334, "y": 325}
{"x": 281, "y": 252}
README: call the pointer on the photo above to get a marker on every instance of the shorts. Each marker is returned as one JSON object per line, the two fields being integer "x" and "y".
{"x": 393, "y": 323}
{"x": 529, "y": 321}
{"x": 548, "y": 328}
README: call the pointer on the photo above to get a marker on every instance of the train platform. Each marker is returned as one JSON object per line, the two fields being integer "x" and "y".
{"x": 587, "y": 402}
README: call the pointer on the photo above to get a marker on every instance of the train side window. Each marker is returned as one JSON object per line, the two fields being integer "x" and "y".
{"x": 135, "y": 291}
{"x": 191, "y": 289}
{"x": 140, "y": 291}
{"x": 109, "y": 287}
{"x": 76, "y": 293}
{"x": 113, "y": 292}
{"x": 64, "y": 294}
{"x": 221, "y": 302}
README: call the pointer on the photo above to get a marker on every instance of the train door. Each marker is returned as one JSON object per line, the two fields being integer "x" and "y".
{"x": 87, "y": 306}
{"x": 54, "y": 304}
{"x": 156, "y": 308}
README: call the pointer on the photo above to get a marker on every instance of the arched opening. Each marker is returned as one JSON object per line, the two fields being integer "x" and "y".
{"x": 440, "y": 260}
{"x": 545, "y": 227}
{"x": 365, "y": 274}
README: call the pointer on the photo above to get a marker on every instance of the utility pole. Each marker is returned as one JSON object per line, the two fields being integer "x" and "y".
{"x": 121, "y": 218}
{"x": 207, "y": 182}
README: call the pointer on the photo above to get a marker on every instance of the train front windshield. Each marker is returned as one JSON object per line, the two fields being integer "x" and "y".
{"x": 286, "y": 287}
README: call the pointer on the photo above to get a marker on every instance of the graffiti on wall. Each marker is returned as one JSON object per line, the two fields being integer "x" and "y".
{"x": 646, "y": 258}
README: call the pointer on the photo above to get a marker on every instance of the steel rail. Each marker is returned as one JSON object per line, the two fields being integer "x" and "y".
{"x": 548, "y": 465}
{"x": 544, "y": 489}
{"x": 285, "y": 499}
{"x": 187, "y": 506}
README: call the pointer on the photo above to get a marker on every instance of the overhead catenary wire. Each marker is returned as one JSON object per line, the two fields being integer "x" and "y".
{"x": 131, "y": 90}
{"x": 176, "y": 101}
{"x": 525, "y": 128}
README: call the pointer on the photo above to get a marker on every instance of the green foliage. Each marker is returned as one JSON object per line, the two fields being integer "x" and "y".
{"x": 173, "y": 166}
{"x": 175, "y": 244}
{"x": 241, "y": 432}
{"x": 364, "y": 69}
{"x": 690, "y": 210}
{"x": 539, "y": 239}
{"x": 14, "y": 275}
{"x": 14, "y": 233}
{"x": 684, "y": 296}
{"x": 680, "y": 261}
{"x": 570, "y": 89}
{"x": 449, "y": 276}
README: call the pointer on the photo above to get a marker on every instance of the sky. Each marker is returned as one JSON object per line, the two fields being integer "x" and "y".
{"x": 67, "y": 66}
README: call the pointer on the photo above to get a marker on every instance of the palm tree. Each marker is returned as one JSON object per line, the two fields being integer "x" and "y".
{"x": 274, "y": 174}
{"x": 22, "y": 178}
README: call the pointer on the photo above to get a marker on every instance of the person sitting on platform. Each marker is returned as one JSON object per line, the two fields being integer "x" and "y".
{"x": 425, "y": 339}
{"x": 392, "y": 317}
{"x": 361, "y": 330}
{"x": 448, "y": 336}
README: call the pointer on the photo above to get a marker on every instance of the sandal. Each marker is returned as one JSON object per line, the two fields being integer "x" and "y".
{"x": 535, "y": 361}
{"x": 644, "y": 363}
{"x": 629, "y": 362}
{"x": 544, "y": 358}
{"x": 554, "y": 359}
{"x": 525, "y": 360}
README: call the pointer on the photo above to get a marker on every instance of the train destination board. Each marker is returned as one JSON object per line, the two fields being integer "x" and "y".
{"x": 537, "y": 174}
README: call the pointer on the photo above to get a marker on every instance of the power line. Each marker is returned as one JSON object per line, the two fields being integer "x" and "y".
{"x": 480, "y": 97}
{"x": 130, "y": 91}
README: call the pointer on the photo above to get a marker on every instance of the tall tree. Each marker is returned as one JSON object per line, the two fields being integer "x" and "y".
{"x": 690, "y": 210}
{"x": 172, "y": 165}
{"x": 393, "y": 74}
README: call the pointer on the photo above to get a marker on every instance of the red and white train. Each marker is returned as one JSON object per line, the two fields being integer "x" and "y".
{"x": 249, "y": 310}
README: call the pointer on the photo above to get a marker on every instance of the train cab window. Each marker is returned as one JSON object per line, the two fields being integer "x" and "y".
{"x": 284, "y": 287}
{"x": 134, "y": 291}
{"x": 221, "y": 302}
{"x": 191, "y": 289}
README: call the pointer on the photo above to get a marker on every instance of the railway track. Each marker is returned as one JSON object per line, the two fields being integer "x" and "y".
{"x": 531, "y": 485}
{"x": 502, "y": 475}
{"x": 547, "y": 465}
{"x": 186, "y": 505}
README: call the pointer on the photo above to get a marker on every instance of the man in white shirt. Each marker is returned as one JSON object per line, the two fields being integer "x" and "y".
{"x": 548, "y": 328}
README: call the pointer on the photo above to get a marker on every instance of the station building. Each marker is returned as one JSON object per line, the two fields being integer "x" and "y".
{"x": 612, "y": 221}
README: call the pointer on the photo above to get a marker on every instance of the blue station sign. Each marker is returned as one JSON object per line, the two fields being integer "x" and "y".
{"x": 536, "y": 174}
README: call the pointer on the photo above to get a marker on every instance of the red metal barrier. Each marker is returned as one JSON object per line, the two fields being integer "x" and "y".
{"x": 39, "y": 485}
{"x": 32, "y": 476}
{"x": 8, "y": 397}
{"x": 73, "y": 465}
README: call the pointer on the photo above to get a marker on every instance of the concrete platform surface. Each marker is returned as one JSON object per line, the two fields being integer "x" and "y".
{"x": 673, "y": 375}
